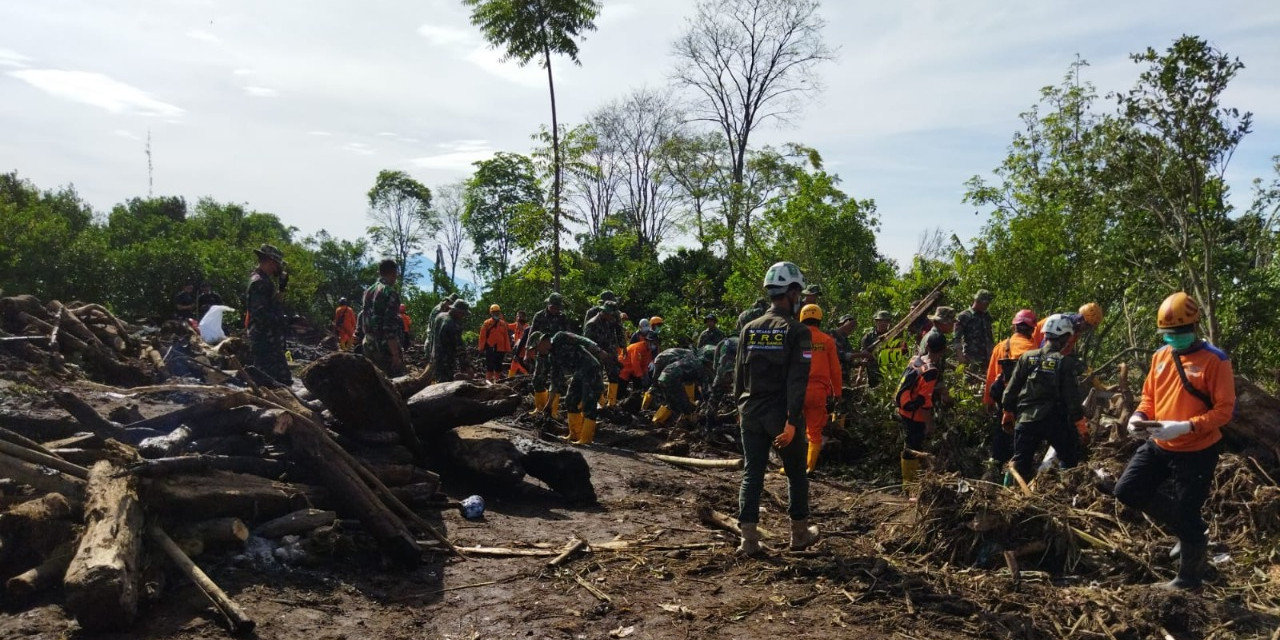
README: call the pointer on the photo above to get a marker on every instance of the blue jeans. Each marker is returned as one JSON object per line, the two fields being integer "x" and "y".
{"x": 756, "y": 442}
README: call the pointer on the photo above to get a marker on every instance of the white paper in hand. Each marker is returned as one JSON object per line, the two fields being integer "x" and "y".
{"x": 211, "y": 324}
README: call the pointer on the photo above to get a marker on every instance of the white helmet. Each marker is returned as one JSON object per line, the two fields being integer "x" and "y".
{"x": 1058, "y": 325}
{"x": 781, "y": 276}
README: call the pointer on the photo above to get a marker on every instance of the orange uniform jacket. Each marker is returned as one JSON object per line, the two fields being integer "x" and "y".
{"x": 921, "y": 394}
{"x": 636, "y": 359}
{"x": 1164, "y": 398}
{"x": 345, "y": 319}
{"x": 1012, "y": 349}
{"x": 496, "y": 334}
{"x": 825, "y": 378}
{"x": 407, "y": 322}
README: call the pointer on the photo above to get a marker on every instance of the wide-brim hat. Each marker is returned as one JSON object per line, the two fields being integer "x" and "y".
{"x": 882, "y": 315}
{"x": 270, "y": 252}
{"x": 460, "y": 305}
{"x": 984, "y": 296}
{"x": 943, "y": 314}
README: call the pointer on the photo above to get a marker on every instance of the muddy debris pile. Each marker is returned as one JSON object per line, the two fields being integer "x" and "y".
{"x": 344, "y": 463}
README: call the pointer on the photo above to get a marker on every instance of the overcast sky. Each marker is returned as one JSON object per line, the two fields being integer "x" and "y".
{"x": 294, "y": 106}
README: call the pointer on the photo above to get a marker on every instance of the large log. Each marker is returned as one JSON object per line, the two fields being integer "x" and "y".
{"x": 360, "y": 397}
{"x": 237, "y": 620}
{"x": 1256, "y": 424}
{"x": 246, "y": 419}
{"x": 203, "y": 408}
{"x": 45, "y": 576}
{"x": 40, "y": 477}
{"x": 444, "y": 406}
{"x": 487, "y": 453}
{"x": 101, "y": 584}
{"x": 218, "y": 531}
{"x": 39, "y": 428}
{"x": 300, "y": 521}
{"x": 41, "y": 524}
{"x": 87, "y": 416}
{"x": 226, "y": 494}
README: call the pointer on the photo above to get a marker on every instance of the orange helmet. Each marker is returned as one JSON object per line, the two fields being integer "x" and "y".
{"x": 1178, "y": 310}
{"x": 655, "y": 321}
{"x": 493, "y": 308}
{"x": 1092, "y": 313}
{"x": 810, "y": 312}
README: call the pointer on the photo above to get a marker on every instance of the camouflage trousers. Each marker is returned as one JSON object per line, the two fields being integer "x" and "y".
{"x": 585, "y": 388}
{"x": 377, "y": 352}
{"x": 542, "y": 376}
{"x": 672, "y": 392}
{"x": 267, "y": 348}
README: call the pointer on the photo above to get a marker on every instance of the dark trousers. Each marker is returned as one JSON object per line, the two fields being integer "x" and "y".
{"x": 1192, "y": 475}
{"x": 493, "y": 360}
{"x": 913, "y": 435}
{"x": 1001, "y": 443}
{"x": 757, "y": 439}
{"x": 1028, "y": 436}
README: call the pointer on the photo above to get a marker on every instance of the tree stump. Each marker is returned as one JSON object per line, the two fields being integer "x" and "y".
{"x": 102, "y": 582}
{"x": 442, "y": 407}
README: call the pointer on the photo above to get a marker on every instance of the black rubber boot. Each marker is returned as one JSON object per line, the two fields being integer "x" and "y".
{"x": 1190, "y": 568}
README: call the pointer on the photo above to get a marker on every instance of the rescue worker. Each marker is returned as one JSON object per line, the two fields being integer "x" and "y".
{"x": 771, "y": 376}
{"x": 825, "y": 382}
{"x": 548, "y": 322}
{"x": 344, "y": 323}
{"x": 880, "y": 326}
{"x": 184, "y": 302}
{"x": 434, "y": 322}
{"x": 655, "y": 324}
{"x": 810, "y": 294}
{"x": 974, "y": 337}
{"x": 1085, "y": 320}
{"x": 494, "y": 343}
{"x": 661, "y": 361}
{"x": 605, "y": 296}
{"x": 679, "y": 382}
{"x": 711, "y": 335}
{"x": 754, "y": 311}
{"x": 381, "y": 322}
{"x": 604, "y": 330}
{"x": 1043, "y": 400}
{"x": 266, "y": 314}
{"x": 408, "y": 323}
{"x": 571, "y": 353}
{"x": 915, "y": 400}
{"x": 943, "y": 321}
{"x": 722, "y": 384}
{"x": 642, "y": 331}
{"x": 1189, "y": 394}
{"x": 636, "y": 360}
{"x": 518, "y": 329}
{"x": 999, "y": 371}
{"x": 450, "y": 353}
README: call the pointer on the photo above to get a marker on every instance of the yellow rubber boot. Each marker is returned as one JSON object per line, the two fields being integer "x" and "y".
{"x": 689, "y": 391}
{"x": 555, "y": 406}
{"x": 539, "y": 401}
{"x": 587, "y": 431}
{"x": 663, "y": 415}
{"x": 647, "y": 402}
{"x": 910, "y": 472}
{"x": 811, "y": 463}
{"x": 613, "y": 394}
{"x": 575, "y": 426}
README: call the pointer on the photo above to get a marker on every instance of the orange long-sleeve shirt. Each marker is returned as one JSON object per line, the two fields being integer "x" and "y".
{"x": 636, "y": 359}
{"x": 345, "y": 319}
{"x": 496, "y": 334}
{"x": 825, "y": 378}
{"x": 1012, "y": 349}
{"x": 1164, "y": 398}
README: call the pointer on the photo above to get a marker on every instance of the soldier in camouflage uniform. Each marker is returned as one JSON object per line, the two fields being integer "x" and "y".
{"x": 450, "y": 351}
{"x": 434, "y": 321}
{"x": 605, "y": 330}
{"x": 722, "y": 385}
{"x": 605, "y": 296}
{"x": 380, "y": 320}
{"x": 660, "y": 362}
{"x": 266, "y": 316}
{"x": 548, "y": 322}
{"x": 712, "y": 335}
{"x": 678, "y": 381}
{"x": 755, "y": 311}
{"x": 571, "y": 353}
{"x": 974, "y": 337}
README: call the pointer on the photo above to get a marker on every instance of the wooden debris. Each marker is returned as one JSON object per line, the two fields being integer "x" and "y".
{"x": 699, "y": 463}
{"x": 360, "y": 397}
{"x": 237, "y": 620}
{"x": 300, "y": 521}
{"x": 575, "y": 545}
{"x": 47, "y": 575}
{"x": 102, "y": 582}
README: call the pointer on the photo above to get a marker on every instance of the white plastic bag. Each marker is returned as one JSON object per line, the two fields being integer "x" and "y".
{"x": 211, "y": 324}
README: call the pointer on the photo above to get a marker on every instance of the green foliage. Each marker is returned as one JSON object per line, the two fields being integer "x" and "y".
{"x": 400, "y": 208}
{"x": 502, "y": 189}
{"x": 529, "y": 29}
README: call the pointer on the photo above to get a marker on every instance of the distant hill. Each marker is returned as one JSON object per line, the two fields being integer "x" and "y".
{"x": 421, "y": 266}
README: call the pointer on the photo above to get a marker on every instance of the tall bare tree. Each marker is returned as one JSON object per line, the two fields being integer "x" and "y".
{"x": 400, "y": 208}
{"x": 449, "y": 206}
{"x": 748, "y": 62}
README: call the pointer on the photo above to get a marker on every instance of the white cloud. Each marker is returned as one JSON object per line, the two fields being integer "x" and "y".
{"x": 319, "y": 133}
{"x": 359, "y": 148}
{"x": 204, "y": 36}
{"x": 10, "y": 58}
{"x": 241, "y": 72}
{"x": 489, "y": 60}
{"x": 125, "y": 133}
{"x": 261, "y": 92}
{"x": 386, "y": 134}
{"x": 444, "y": 35}
{"x": 98, "y": 90}
{"x": 458, "y": 155}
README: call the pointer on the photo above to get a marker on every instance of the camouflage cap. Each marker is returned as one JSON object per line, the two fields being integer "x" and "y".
{"x": 812, "y": 290}
{"x": 270, "y": 252}
{"x": 607, "y": 295}
{"x": 882, "y": 315}
{"x": 846, "y": 318}
{"x": 460, "y": 305}
{"x": 609, "y": 306}
{"x": 984, "y": 296}
{"x": 556, "y": 299}
{"x": 710, "y": 317}
{"x": 943, "y": 314}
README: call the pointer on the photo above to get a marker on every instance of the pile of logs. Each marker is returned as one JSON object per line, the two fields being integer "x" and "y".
{"x": 99, "y": 502}
{"x": 53, "y": 334}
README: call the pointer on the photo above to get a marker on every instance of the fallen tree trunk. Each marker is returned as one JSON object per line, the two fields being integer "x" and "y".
{"x": 300, "y": 521}
{"x": 102, "y": 582}
{"x": 188, "y": 413}
{"x": 38, "y": 428}
{"x": 48, "y": 460}
{"x": 47, "y": 575}
{"x": 41, "y": 524}
{"x": 226, "y": 494}
{"x": 160, "y": 467}
{"x": 487, "y": 453}
{"x": 87, "y": 416}
{"x": 441, "y": 407}
{"x": 42, "y": 478}
{"x": 360, "y": 397}
{"x": 237, "y": 620}
{"x": 235, "y": 421}
{"x": 1256, "y": 424}
{"x": 167, "y": 445}
{"x": 218, "y": 531}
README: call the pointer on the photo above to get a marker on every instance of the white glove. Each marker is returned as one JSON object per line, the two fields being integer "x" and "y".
{"x": 1138, "y": 425}
{"x": 1170, "y": 429}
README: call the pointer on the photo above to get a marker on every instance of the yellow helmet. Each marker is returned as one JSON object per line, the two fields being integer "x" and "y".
{"x": 1178, "y": 310}
{"x": 655, "y": 321}
{"x": 493, "y": 308}
{"x": 1092, "y": 313}
{"x": 810, "y": 312}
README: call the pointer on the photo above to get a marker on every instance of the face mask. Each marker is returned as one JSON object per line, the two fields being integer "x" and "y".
{"x": 1179, "y": 341}
{"x": 495, "y": 316}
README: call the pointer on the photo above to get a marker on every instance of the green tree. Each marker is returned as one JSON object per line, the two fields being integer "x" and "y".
{"x": 343, "y": 268}
{"x": 400, "y": 208}
{"x": 535, "y": 29}
{"x": 502, "y": 188}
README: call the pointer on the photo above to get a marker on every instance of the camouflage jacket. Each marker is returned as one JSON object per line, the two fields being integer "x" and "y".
{"x": 749, "y": 315}
{"x": 265, "y": 312}
{"x": 668, "y": 357}
{"x": 710, "y": 337}
{"x": 726, "y": 353}
{"x": 844, "y": 350}
{"x": 380, "y": 313}
{"x": 548, "y": 324}
{"x": 974, "y": 338}
{"x": 606, "y": 333}
{"x": 1044, "y": 385}
{"x": 571, "y": 352}
{"x": 448, "y": 343}
{"x": 686, "y": 370}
